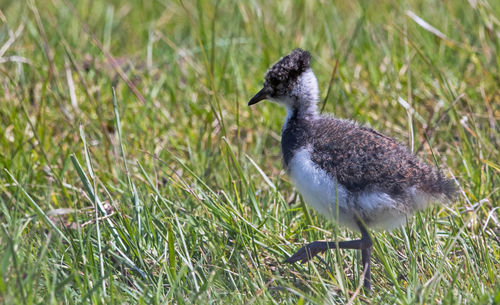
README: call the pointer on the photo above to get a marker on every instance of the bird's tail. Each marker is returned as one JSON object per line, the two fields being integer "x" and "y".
{"x": 445, "y": 188}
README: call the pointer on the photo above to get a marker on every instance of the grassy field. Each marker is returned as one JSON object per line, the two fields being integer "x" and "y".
{"x": 174, "y": 192}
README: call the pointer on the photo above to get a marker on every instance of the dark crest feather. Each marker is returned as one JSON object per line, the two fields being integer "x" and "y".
{"x": 283, "y": 74}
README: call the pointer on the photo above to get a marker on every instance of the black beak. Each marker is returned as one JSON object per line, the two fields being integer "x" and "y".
{"x": 261, "y": 95}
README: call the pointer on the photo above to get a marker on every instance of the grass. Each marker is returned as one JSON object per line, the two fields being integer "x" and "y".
{"x": 172, "y": 190}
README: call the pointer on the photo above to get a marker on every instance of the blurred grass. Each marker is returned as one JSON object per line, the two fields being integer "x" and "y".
{"x": 175, "y": 193}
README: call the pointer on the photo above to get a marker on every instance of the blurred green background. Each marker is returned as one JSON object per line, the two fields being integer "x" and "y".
{"x": 175, "y": 193}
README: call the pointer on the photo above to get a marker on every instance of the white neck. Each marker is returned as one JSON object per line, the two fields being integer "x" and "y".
{"x": 307, "y": 94}
{"x": 303, "y": 98}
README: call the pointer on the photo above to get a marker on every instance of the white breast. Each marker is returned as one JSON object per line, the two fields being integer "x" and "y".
{"x": 319, "y": 189}
{"x": 329, "y": 198}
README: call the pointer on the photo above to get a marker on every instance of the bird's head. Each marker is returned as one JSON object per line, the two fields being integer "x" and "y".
{"x": 290, "y": 82}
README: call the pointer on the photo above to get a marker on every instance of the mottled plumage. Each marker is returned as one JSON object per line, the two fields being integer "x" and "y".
{"x": 282, "y": 76}
{"x": 362, "y": 159}
{"x": 347, "y": 172}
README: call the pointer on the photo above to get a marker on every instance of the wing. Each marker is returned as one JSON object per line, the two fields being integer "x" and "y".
{"x": 361, "y": 158}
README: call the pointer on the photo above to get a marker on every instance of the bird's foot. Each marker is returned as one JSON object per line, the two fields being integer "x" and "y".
{"x": 308, "y": 252}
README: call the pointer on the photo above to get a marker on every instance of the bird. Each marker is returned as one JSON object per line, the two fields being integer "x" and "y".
{"x": 347, "y": 171}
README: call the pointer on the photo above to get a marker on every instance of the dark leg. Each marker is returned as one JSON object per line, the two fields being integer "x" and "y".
{"x": 312, "y": 249}
{"x": 366, "y": 254}
{"x": 365, "y": 259}
{"x": 364, "y": 244}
